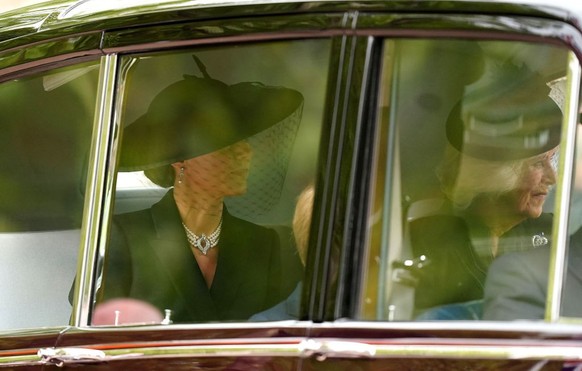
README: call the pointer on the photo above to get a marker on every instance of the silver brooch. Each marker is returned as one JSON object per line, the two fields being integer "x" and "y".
{"x": 539, "y": 240}
{"x": 203, "y": 242}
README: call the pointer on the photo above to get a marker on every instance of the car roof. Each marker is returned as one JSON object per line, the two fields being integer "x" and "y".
{"x": 72, "y": 14}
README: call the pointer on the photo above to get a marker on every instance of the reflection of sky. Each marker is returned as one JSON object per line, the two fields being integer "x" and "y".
{"x": 6, "y": 5}
{"x": 134, "y": 179}
{"x": 575, "y": 219}
{"x": 576, "y": 199}
{"x": 100, "y": 6}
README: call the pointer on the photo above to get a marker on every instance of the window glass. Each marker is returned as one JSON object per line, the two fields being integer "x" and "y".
{"x": 44, "y": 148}
{"x": 465, "y": 167}
{"x": 570, "y": 304}
{"x": 214, "y": 189}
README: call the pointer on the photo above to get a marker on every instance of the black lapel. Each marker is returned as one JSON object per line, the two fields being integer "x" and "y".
{"x": 173, "y": 252}
{"x": 233, "y": 256}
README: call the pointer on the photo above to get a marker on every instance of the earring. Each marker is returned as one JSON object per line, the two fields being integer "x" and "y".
{"x": 181, "y": 175}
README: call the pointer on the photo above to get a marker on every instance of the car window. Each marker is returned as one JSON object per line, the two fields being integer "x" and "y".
{"x": 572, "y": 284}
{"x": 219, "y": 146}
{"x": 466, "y": 166}
{"x": 46, "y": 123}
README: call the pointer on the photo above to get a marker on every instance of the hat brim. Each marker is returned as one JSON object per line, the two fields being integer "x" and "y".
{"x": 196, "y": 116}
{"x": 534, "y": 133}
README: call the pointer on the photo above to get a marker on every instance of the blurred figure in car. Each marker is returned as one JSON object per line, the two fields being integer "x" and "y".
{"x": 496, "y": 174}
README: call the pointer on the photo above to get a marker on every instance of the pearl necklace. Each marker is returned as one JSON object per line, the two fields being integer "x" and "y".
{"x": 203, "y": 242}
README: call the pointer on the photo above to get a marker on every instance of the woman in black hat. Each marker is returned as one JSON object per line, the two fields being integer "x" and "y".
{"x": 496, "y": 174}
{"x": 187, "y": 255}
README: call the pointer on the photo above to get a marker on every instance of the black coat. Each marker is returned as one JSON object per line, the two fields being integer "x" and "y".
{"x": 517, "y": 284}
{"x": 455, "y": 273}
{"x": 150, "y": 259}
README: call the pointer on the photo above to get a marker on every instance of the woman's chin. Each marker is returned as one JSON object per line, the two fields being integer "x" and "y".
{"x": 534, "y": 212}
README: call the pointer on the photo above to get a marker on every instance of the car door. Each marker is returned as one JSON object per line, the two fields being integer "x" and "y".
{"x": 438, "y": 103}
{"x": 157, "y": 73}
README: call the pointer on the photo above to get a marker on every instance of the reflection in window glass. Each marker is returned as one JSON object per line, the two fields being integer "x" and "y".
{"x": 219, "y": 145}
{"x": 471, "y": 168}
{"x": 570, "y": 305}
{"x": 46, "y": 124}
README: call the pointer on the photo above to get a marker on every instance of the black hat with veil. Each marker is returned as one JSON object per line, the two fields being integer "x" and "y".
{"x": 199, "y": 115}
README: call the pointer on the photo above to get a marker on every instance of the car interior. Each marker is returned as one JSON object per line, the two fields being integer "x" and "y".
{"x": 422, "y": 81}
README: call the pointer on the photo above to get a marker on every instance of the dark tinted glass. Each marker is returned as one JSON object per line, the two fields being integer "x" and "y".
{"x": 46, "y": 122}
{"x": 466, "y": 180}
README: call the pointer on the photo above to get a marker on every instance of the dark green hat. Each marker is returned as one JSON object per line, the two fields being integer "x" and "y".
{"x": 508, "y": 116}
{"x": 199, "y": 115}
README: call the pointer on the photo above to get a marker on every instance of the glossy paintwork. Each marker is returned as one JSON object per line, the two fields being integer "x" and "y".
{"x": 202, "y": 347}
{"x": 64, "y": 17}
{"x": 27, "y": 21}
{"x": 281, "y": 27}
{"x": 24, "y": 339}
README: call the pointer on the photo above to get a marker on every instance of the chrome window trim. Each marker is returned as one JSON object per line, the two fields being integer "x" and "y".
{"x": 95, "y": 202}
{"x": 105, "y": 177}
{"x": 558, "y": 257}
{"x": 294, "y": 348}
